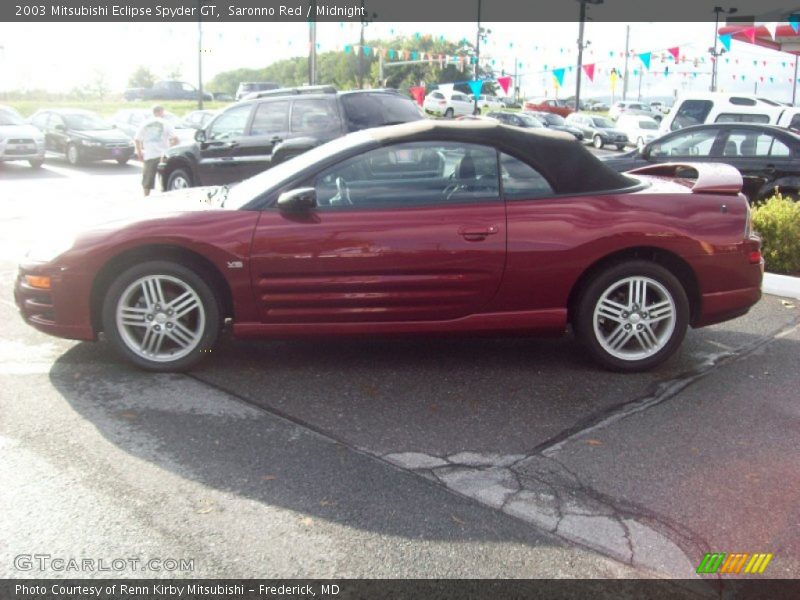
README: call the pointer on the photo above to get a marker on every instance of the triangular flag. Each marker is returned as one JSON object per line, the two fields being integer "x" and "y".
{"x": 794, "y": 21}
{"x": 366, "y": 50}
{"x": 726, "y": 41}
{"x": 645, "y": 58}
{"x": 476, "y": 86}
{"x": 418, "y": 93}
{"x": 675, "y": 52}
{"x": 589, "y": 69}
{"x": 504, "y": 83}
{"x": 750, "y": 33}
{"x": 771, "y": 28}
{"x": 559, "y": 75}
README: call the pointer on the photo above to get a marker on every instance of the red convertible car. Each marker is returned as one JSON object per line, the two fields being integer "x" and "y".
{"x": 422, "y": 228}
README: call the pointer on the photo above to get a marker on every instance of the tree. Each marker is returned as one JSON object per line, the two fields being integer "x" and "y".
{"x": 99, "y": 87}
{"x": 174, "y": 72}
{"x": 142, "y": 77}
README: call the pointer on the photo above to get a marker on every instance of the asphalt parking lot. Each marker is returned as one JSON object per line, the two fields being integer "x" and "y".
{"x": 398, "y": 458}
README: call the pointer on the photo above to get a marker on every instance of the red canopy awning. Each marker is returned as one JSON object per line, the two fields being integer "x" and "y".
{"x": 786, "y": 38}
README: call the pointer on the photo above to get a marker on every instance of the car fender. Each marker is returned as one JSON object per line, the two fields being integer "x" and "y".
{"x": 285, "y": 150}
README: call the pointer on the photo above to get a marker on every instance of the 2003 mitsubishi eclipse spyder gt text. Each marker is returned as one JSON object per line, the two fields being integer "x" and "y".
{"x": 421, "y": 228}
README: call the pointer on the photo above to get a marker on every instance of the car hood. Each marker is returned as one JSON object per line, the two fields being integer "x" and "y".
{"x": 611, "y": 131}
{"x": 103, "y": 135}
{"x": 10, "y": 131}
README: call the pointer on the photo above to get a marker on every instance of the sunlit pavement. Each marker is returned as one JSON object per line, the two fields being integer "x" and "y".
{"x": 413, "y": 457}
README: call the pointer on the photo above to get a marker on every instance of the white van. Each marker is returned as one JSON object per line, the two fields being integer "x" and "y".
{"x": 697, "y": 108}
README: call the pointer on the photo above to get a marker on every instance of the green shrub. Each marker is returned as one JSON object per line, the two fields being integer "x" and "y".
{"x": 778, "y": 222}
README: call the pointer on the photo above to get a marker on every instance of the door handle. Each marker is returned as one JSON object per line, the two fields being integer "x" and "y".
{"x": 276, "y": 140}
{"x": 769, "y": 169}
{"x": 477, "y": 234}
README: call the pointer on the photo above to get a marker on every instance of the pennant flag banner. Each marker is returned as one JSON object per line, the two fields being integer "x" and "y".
{"x": 726, "y": 41}
{"x": 559, "y": 75}
{"x": 504, "y": 83}
{"x": 675, "y": 52}
{"x": 794, "y": 21}
{"x": 476, "y": 86}
{"x": 771, "y": 28}
{"x": 418, "y": 93}
{"x": 750, "y": 32}
{"x": 589, "y": 69}
{"x": 645, "y": 58}
{"x": 613, "y": 79}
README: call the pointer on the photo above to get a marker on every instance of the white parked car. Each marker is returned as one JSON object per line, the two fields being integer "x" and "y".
{"x": 19, "y": 140}
{"x": 640, "y": 129}
{"x": 448, "y": 104}
{"x": 624, "y": 106}
{"x": 491, "y": 102}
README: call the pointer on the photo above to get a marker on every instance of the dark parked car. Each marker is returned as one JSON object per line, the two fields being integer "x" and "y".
{"x": 250, "y": 136}
{"x": 248, "y": 87}
{"x": 598, "y": 130}
{"x": 130, "y": 119}
{"x": 82, "y": 136}
{"x": 768, "y": 157}
{"x": 558, "y": 123}
{"x": 424, "y": 228}
{"x": 517, "y": 119}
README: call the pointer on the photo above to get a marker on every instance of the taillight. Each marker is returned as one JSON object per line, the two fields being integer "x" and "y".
{"x": 754, "y": 257}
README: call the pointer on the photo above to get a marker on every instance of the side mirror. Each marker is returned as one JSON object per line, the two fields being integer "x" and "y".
{"x": 645, "y": 152}
{"x": 298, "y": 199}
{"x": 200, "y": 135}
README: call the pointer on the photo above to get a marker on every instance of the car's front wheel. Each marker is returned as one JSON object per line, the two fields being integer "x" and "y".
{"x": 161, "y": 316}
{"x": 597, "y": 142}
{"x": 632, "y": 316}
{"x": 74, "y": 155}
{"x": 620, "y": 147}
{"x": 36, "y": 163}
{"x": 178, "y": 179}
{"x": 449, "y": 113}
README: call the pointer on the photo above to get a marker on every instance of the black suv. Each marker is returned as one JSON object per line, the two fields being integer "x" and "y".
{"x": 250, "y": 136}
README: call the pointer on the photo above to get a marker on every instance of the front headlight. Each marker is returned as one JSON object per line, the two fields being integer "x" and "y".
{"x": 47, "y": 249}
{"x": 91, "y": 144}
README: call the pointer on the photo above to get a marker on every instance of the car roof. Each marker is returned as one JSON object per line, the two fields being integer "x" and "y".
{"x": 557, "y": 155}
{"x": 764, "y": 127}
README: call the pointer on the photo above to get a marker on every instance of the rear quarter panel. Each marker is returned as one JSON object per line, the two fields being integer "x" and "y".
{"x": 553, "y": 242}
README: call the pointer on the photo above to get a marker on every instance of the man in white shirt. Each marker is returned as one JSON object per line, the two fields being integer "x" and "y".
{"x": 152, "y": 140}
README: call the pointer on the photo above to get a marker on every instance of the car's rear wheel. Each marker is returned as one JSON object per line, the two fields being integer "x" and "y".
{"x": 178, "y": 179}
{"x": 448, "y": 114}
{"x": 36, "y": 163}
{"x": 597, "y": 142}
{"x": 73, "y": 155}
{"x": 620, "y": 146}
{"x": 122, "y": 161}
{"x": 161, "y": 316}
{"x": 632, "y": 316}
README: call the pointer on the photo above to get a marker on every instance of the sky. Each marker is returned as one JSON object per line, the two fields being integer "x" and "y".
{"x": 59, "y": 57}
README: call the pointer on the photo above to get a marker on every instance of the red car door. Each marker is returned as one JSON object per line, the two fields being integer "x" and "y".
{"x": 403, "y": 233}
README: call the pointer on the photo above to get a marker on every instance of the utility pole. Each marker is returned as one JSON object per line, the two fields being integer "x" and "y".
{"x": 365, "y": 20}
{"x": 794, "y": 82}
{"x": 713, "y": 50}
{"x": 312, "y": 45}
{"x": 625, "y": 75}
{"x": 581, "y": 46}
{"x": 199, "y": 56}
{"x": 477, "y": 55}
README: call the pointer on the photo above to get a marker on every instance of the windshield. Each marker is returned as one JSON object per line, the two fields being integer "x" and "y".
{"x": 648, "y": 125}
{"x": 249, "y": 189}
{"x": 554, "y": 119}
{"x": 9, "y": 118}
{"x": 85, "y": 122}
{"x": 530, "y": 121}
{"x": 602, "y": 122}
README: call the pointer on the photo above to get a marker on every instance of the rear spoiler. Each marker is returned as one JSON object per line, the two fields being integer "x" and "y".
{"x": 710, "y": 178}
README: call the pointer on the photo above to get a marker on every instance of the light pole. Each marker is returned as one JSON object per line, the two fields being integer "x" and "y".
{"x": 718, "y": 10}
{"x": 581, "y": 46}
{"x": 482, "y": 34}
{"x": 365, "y": 20}
{"x": 199, "y": 56}
{"x": 312, "y": 44}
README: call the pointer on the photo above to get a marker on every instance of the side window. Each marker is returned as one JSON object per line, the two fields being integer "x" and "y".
{"x": 739, "y": 118}
{"x": 55, "y": 120}
{"x": 271, "y": 117}
{"x": 691, "y": 112}
{"x": 698, "y": 143}
{"x": 521, "y": 181}
{"x": 795, "y": 123}
{"x": 411, "y": 175}
{"x": 230, "y": 124}
{"x": 313, "y": 116}
{"x": 188, "y": 88}
{"x": 752, "y": 143}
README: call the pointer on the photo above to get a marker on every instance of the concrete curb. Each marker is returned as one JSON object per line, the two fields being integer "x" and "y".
{"x": 781, "y": 285}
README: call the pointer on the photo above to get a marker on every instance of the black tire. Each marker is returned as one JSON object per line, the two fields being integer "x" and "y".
{"x": 122, "y": 161}
{"x": 36, "y": 164}
{"x": 206, "y": 329}
{"x": 176, "y": 180}
{"x": 598, "y": 142}
{"x": 620, "y": 146}
{"x": 74, "y": 155}
{"x": 448, "y": 114}
{"x": 615, "y": 278}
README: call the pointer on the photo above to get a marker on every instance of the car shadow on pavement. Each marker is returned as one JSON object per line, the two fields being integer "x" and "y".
{"x": 15, "y": 171}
